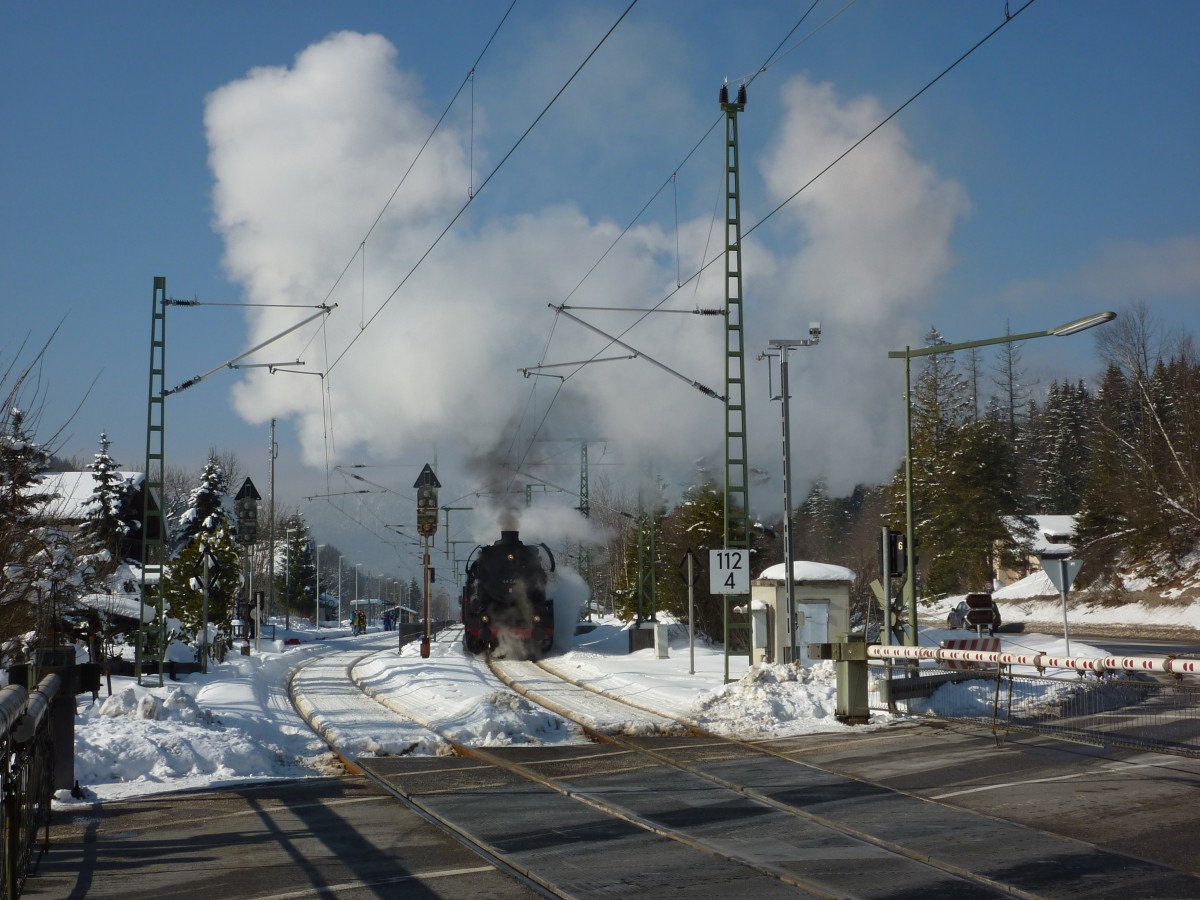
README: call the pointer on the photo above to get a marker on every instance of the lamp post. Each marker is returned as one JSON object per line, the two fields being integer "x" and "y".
{"x": 783, "y": 346}
{"x": 910, "y": 591}
{"x": 320, "y": 547}
{"x": 357, "y": 566}
{"x": 287, "y": 588}
{"x": 340, "y": 558}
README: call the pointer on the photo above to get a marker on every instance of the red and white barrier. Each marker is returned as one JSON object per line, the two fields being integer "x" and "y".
{"x": 1164, "y": 664}
{"x": 978, "y": 644}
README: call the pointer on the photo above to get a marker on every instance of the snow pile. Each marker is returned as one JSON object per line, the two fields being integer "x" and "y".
{"x": 149, "y": 739}
{"x": 502, "y": 719}
{"x": 772, "y": 700}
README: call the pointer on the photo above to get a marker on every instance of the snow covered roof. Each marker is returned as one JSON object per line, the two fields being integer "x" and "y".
{"x": 1052, "y": 534}
{"x": 123, "y": 597}
{"x": 807, "y": 571}
{"x": 67, "y": 493}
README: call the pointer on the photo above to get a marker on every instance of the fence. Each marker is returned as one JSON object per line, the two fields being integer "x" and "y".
{"x": 1137, "y": 703}
{"x": 26, "y": 778}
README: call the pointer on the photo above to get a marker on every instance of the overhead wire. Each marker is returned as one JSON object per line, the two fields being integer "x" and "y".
{"x": 473, "y": 193}
{"x": 1008, "y": 18}
{"x": 745, "y": 234}
{"x": 511, "y": 150}
{"x": 772, "y": 60}
{"x": 327, "y": 395}
{"x": 672, "y": 180}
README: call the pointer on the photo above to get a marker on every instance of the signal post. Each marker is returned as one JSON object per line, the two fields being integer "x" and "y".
{"x": 426, "y": 486}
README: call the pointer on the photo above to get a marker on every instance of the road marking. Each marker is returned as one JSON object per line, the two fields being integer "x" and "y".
{"x": 397, "y": 879}
{"x": 1103, "y": 770}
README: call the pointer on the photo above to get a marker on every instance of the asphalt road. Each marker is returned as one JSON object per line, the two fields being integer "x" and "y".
{"x": 319, "y": 838}
{"x": 348, "y": 838}
{"x": 1125, "y": 646}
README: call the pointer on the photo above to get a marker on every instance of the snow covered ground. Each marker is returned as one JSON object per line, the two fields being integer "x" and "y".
{"x": 1034, "y": 599}
{"x": 237, "y": 723}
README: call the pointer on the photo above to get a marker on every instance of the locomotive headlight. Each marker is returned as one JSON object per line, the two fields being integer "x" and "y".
{"x": 486, "y": 618}
{"x": 537, "y": 618}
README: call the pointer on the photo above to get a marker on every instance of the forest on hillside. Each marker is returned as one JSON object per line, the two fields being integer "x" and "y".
{"x": 989, "y": 450}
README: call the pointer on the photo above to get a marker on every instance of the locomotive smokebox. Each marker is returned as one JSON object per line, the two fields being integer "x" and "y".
{"x": 505, "y": 605}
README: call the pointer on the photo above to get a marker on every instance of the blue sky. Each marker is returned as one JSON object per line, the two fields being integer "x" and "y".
{"x": 243, "y": 150}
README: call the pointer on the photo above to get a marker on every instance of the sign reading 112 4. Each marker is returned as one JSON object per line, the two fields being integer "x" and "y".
{"x": 728, "y": 572}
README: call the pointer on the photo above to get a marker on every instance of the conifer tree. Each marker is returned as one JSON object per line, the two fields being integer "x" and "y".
{"x": 696, "y": 522}
{"x": 1103, "y": 527}
{"x": 110, "y": 528}
{"x": 965, "y": 482}
{"x": 206, "y": 512}
{"x": 1062, "y": 468}
{"x": 22, "y": 462}
{"x": 184, "y": 592}
{"x": 296, "y": 571}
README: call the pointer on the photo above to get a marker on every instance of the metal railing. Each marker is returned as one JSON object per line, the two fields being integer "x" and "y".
{"x": 1148, "y": 704}
{"x": 26, "y": 779}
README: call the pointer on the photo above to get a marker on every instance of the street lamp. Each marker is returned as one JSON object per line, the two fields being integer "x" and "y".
{"x": 910, "y": 590}
{"x": 320, "y": 547}
{"x": 357, "y": 566}
{"x": 340, "y": 558}
{"x": 287, "y": 589}
{"x": 783, "y": 346}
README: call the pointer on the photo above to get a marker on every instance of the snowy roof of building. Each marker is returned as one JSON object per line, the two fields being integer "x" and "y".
{"x": 803, "y": 570}
{"x": 67, "y": 493}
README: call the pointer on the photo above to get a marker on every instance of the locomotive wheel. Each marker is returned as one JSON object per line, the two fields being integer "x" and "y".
{"x": 473, "y": 644}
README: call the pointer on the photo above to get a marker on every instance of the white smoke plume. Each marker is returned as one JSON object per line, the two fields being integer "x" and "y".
{"x": 303, "y": 158}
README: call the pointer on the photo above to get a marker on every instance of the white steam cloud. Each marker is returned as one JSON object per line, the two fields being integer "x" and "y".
{"x": 303, "y": 158}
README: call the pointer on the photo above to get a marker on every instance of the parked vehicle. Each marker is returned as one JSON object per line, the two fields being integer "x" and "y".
{"x": 961, "y": 616}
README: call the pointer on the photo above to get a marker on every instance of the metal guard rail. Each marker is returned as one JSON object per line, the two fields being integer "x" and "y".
{"x": 26, "y": 778}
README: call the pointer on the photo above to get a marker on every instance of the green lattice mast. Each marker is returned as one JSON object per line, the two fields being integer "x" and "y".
{"x": 153, "y": 526}
{"x": 737, "y": 486}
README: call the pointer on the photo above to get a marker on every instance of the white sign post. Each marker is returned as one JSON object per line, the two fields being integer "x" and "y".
{"x": 1062, "y": 572}
{"x": 728, "y": 572}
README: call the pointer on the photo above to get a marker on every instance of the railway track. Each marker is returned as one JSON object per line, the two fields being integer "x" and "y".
{"x": 750, "y": 813}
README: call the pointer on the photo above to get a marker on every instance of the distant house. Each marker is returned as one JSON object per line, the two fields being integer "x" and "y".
{"x": 121, "y": 600}
{"x": 1052, "y": 534}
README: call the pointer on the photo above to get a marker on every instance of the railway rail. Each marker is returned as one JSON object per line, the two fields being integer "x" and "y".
{"x": 751, "y": 813}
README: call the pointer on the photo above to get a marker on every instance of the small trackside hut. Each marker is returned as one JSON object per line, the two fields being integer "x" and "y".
{"x": 822, "y": 594}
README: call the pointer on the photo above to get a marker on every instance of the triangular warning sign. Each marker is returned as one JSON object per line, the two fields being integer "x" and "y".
{"x": 1062, "y": 572}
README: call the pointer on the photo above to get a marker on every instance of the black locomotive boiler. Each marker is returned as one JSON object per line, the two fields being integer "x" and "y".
{"x": 505, "y": 608}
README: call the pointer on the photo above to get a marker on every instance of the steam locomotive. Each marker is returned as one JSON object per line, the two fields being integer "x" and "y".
{"x": 505, "y": 608}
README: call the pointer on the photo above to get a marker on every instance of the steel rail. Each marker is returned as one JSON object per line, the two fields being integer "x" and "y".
{"x": 760, "y": 797}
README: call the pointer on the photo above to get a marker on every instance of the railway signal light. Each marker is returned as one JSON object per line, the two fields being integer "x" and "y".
{"x": 897, "y": 559}
{"x": 246, "y": 504}
{"x": 427, "y": 502}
